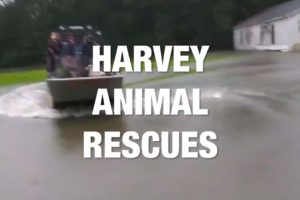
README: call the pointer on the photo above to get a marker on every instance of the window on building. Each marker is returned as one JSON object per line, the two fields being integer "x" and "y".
{"x": 273, "y": 33}
{"x": 241, "y": 37}
{"x": 262, "y": 36}
{"x": 267, "y": 34}
{"x": 248, "y": 35}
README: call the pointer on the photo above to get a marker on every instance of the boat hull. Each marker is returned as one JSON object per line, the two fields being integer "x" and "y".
{"x": 70, "y": 91}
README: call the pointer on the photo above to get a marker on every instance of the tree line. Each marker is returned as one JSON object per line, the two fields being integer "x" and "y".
{"x": 25, "y": 24}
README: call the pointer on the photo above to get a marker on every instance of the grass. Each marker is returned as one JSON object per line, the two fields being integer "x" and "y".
{"x": 24, "y": 77}
{"x": 39, "y": 75}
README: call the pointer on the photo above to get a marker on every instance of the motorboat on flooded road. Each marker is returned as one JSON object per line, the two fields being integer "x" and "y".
{"x": 73, "y": 81}
{"x": 81, "y": 90}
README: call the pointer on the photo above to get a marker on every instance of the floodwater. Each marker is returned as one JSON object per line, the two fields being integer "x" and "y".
{"x": 254, "y": 110}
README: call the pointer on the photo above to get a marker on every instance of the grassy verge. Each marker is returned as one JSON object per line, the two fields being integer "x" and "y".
{"x": 33, "y": 76}
{"x": 14, "y": 78}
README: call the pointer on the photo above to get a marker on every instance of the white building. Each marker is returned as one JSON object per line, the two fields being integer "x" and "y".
{"x": 277, "y": 28}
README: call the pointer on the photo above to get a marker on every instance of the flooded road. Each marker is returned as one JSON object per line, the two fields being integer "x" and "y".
{"x": 254, "y": 110}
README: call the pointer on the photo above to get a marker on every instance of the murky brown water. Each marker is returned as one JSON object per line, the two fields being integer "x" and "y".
{"x": 254, "y": 110}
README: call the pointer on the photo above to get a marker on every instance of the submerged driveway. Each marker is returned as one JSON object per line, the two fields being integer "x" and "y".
{"x": 254, "y": 105}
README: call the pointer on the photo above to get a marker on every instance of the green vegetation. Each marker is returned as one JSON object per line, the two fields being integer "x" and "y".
{"x": 13, "y": 78}
{"x": 25, "y": 25}
{"x": 33, "y": 76}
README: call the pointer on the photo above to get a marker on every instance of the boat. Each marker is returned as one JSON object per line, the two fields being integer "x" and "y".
{"x": 78, "y": 84}
{"x": 81, "y": 90}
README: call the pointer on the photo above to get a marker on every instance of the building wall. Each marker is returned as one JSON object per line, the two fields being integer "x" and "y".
{"x": 290, "y": 34}
{"x": 240, "y": 35}
{"x": 287, "y": 34}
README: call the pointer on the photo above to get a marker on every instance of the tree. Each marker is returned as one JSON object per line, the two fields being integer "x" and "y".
{"x": 25, "y": 24}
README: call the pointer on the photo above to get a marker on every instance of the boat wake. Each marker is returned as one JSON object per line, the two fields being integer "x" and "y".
{"x": 34, "y": 101}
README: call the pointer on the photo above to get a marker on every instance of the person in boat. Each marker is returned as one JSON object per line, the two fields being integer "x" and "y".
{"x": 54, "y": 48}
{"x": 69, "y": 55}
{"x": 70, "y": 48}
{"x": 87, "y": 54}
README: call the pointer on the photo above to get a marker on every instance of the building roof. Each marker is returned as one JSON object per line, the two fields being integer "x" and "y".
{"x": 278, "y": 12}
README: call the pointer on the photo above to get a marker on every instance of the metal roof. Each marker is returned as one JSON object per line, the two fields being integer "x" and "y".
{"x": 272, "y": 14}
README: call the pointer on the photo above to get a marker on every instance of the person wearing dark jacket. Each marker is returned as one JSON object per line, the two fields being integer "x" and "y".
{"x": 87, "y": 48}
{"x": 70, "y": 47}
{"x": 87, "y": 54}
{"x": 53, "y": 51}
